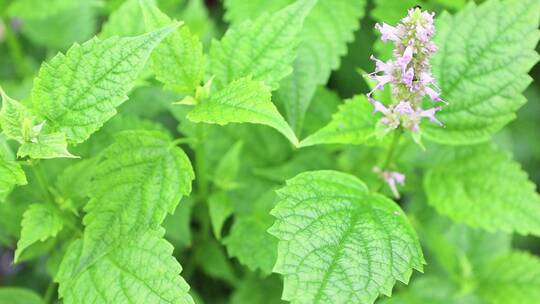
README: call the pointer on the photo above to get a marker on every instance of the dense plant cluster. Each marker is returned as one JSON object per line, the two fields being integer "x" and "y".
{"x": 269, "y": 151}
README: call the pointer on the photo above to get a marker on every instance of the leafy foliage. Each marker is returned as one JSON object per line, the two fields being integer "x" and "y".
{"x": 243, "y": 50}
{"x": 243, "y": 100}
{"x": 485, "y": 54}
{"x": 77, "y": 100}
{"x": 233, "y": 156}
{"x": 339, "y": 242}
{"x": 39, "y": 223}
{"x": 482, "y": 186}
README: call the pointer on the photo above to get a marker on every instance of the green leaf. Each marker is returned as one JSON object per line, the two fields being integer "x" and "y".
{"x": 40, "y": 222}
{"x": 138, "y": 269}
{"x": 20, "y": 124}
{"x": 46, "y": 146}
{"x": 264, "y": 48}
{"x": 213, "y": 261}
{"x": 238, "y": 11}
{"x": 16, "y": 295}
{"x": 34, "y": 9}
{"x": 512, "y": 278}
{"x": 140, "y": 179}
{"x": 250, "y": 242}
{"x": 339, "y": 243}
{"x": 254, "y": 290}
{"x": 125, "y": 21}
{"x": 220, "y": 208}
{"x": 242, "y": 101}
{"x": 75, "y": 23}
{"x": 482, "y": 186}
{"x": 15, "y": 119}
{"x": 178, "y": 61}
{"x": 327, "y": 30}
{"x": 11, "y": 174}
{"x": 79, "y": 91}
{"x": 432, "y": 290}
{"x": 354, "y": 123}
{"x": 225, "y": 176}
{"x": 485, "y": 54}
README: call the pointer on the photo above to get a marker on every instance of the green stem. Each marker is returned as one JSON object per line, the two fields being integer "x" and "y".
{"x": 200, "y": 165}
{"x": 49, "y": 293}
{"x": 391, "y": 152}
{"x": 15, "y": 50}
{"x": 42, "y": 181}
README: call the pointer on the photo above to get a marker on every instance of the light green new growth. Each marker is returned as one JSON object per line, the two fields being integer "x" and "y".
{"x": 178, "y": 61}
{"x": 339, "y": 243}
{"x": 354, "y": 123}
{"x": 18, "y": 123}
{"x": 138, "y": 270}
{"x": 264, "y": 48}
{"x": 39, "y": 223}
{"x": 140, "y": 178}
{"x": 512, "y": 278}
{"x": 484, "y": 55}
{"x": 483, "y": 187}
{"x": 46, "y": 146}
{"x": 242, "y": 101}
{"x": 327, "y": 30}
{"x": 76, "y": 93}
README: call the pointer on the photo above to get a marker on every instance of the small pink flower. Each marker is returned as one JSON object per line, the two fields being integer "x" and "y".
{"x": 392, "y": 178}
{"x": 387, "y": 32}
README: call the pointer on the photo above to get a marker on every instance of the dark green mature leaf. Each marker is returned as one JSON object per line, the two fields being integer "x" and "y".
{"x": 79, "y": 91}
{"x": 339, "y": 243}
{"x": 485, "y": 54}
{"x": 264, "y": 48}
{"x": 483, "y": 187}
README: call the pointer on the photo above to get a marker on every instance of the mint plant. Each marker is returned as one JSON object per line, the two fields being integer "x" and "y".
{"x": 269, "y": 151}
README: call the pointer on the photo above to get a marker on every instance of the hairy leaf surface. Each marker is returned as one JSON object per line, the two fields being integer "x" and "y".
{"x": 484, "y": 55}
{"x": 138, "y": 270}
{"x": 339, "y": 243}
{"x": 243, "y": 101}
{"x": 354, "y": 123}
{"x": 178, "y": 61}
{"x": 40, "y": 222}
{"x": 79, "y": 91}
{"x": 483, "y": 187}
{"x": 264, "y": 48}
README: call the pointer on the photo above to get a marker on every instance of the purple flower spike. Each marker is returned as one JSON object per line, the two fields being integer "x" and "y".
{"x": 409, "y": 73}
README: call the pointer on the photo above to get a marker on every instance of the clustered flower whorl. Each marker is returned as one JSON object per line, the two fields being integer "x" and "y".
{"x": 409, "y": 73}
